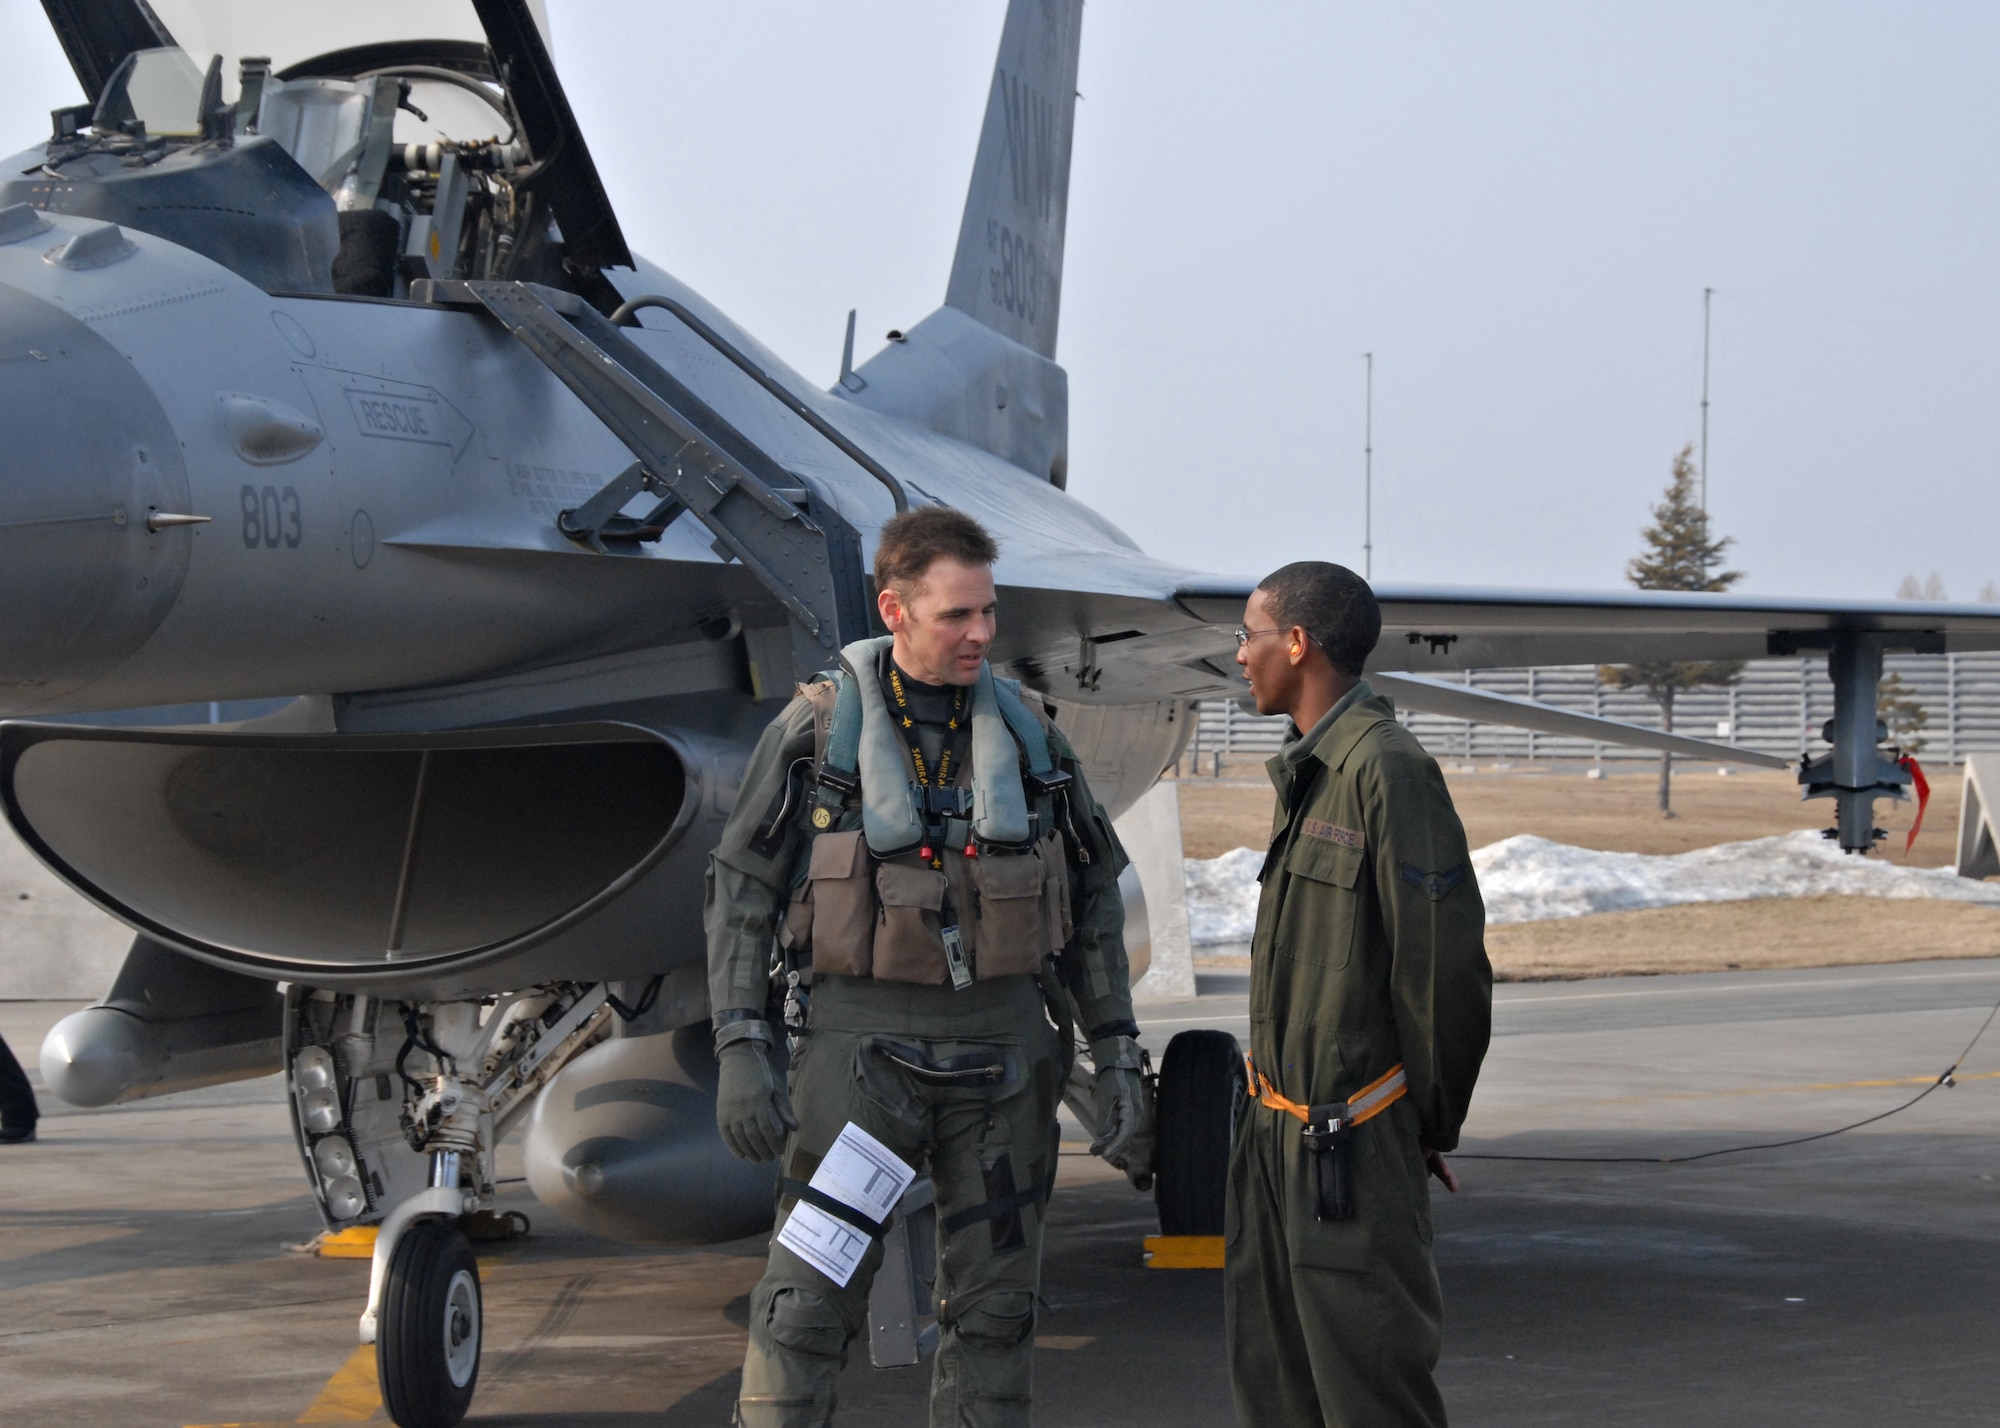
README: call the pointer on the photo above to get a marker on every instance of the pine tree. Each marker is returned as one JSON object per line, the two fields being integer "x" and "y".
{"x": 1897, "y": 706}
{"x": 1680, "y": 554}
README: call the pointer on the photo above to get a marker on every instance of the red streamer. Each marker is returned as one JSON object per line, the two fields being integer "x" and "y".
{"x": 1923, "y": 798}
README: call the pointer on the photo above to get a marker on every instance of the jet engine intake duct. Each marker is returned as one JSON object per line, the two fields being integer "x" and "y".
{"x": 364, "y": 860}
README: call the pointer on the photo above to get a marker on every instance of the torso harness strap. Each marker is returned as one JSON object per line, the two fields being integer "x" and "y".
{"x": 1327, "y": 1130}
{"x": 862, "y": 756}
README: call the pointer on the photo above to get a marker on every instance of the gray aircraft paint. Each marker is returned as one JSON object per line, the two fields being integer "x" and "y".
{"x": 1007, "y": 271}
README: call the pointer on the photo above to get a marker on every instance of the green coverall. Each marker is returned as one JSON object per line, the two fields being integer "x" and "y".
{"x": 1369, "y": 952}
{"x": 979, "y": 1144}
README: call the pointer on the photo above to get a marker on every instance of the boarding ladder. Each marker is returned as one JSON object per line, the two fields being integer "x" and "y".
{"x": 771, "y": 520}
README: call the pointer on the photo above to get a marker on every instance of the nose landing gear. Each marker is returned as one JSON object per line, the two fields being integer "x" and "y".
{"x": 428, "y": 1335}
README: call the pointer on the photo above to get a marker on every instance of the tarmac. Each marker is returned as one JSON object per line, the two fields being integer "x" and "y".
{"x": 145, "y": 1280}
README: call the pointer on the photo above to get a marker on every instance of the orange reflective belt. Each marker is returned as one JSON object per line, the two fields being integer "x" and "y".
{"x": 1364, "y": 1105}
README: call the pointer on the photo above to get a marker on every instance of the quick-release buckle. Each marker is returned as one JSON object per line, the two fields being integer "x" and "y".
{"x": 952, "y": 802}
{"x": 1053, "y": 781}
{"x": 846, "y": 784}
{"x": 832, "y": 793}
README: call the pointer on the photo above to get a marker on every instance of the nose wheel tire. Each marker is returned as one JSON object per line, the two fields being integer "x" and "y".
{"x": 428, "y": 1332}
{"x": 1202, "y": 1088}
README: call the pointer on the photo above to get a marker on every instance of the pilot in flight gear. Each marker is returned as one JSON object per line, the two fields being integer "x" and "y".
{"x": 915, "y": 856}
{"x": 1370, "y": 1008}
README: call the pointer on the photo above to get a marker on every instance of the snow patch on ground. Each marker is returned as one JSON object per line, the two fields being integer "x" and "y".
{"x": 1222, "y": 897}
{"x": 1528, "y": 879}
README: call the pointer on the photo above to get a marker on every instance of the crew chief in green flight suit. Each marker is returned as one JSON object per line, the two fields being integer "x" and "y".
{"x": 1369, "y": 957}
{"x": 942, "y": 1048}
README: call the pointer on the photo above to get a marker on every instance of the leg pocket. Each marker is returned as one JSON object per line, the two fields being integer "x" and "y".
{"x": 994, "y": 1322}
{"x": 801, "y": 1322}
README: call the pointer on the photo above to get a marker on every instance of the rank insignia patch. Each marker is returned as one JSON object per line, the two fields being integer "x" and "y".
{"x": 1434, "y": 885}
{"x": 1333, "y": 833}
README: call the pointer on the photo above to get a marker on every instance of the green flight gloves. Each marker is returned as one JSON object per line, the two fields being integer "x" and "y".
{"x": 1121, "y": 1097}
{"x": 752, "y": 1109}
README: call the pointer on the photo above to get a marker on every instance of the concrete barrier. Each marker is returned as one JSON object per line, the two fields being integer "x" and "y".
{"x": 1978, "y": 854}
{"x": 53, "y": 945}
{"x": 1151, "y": 833}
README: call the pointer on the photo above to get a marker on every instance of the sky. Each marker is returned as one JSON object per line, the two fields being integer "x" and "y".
{"x": 1515, "y": 208}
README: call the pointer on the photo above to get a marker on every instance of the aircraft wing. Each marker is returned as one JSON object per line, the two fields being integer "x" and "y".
{"x": 1180, "y": 643}
{"x": 1433, "y": 629}
{"x": 1184, "y": 647}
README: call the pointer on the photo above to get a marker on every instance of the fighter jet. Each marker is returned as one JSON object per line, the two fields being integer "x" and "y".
{"x": 326, "y": 371}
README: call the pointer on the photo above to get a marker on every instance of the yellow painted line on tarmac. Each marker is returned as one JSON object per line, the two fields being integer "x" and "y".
{"x": 1789, "y": 1090}
{"x": 352, "y": 1395}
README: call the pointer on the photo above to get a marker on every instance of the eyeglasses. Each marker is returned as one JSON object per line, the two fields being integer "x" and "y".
{"x": 1243, "y": 636}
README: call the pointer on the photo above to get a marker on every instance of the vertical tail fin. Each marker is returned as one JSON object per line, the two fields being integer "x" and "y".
{"x": 1008, "y": 270}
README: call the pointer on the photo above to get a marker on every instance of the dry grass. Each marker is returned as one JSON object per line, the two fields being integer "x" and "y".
{"x": 1617, "y": 814}
{"x": 1761, "y": 934}
{"x": 1614, "y": 814}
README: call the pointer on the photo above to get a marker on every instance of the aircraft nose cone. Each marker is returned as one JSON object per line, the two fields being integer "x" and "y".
{"x": 87, "y": 455}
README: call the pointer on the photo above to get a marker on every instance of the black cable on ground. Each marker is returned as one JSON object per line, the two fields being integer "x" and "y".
{"x": 1946, "y": 1078}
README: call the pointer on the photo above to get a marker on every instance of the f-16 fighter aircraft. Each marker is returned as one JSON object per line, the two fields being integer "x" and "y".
{"x": 325, "y": 368}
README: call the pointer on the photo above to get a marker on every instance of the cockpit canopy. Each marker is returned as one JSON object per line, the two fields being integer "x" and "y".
{"x": 348, "y": 148}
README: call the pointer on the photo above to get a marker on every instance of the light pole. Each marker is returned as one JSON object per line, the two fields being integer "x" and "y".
{"x": 1368, "y": 471}
{"x": 1706, "y": 295}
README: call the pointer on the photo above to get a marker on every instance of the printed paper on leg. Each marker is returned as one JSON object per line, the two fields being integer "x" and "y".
{"x": 833, "y": 1247}
{"x": 861, "y": 1172}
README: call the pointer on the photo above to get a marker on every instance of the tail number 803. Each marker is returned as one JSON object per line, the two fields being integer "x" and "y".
{"x": 272, "y": 517}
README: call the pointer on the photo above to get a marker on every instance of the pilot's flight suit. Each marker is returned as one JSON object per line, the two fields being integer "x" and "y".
{"x": 1369, "y": 954}
{"x": 888, "y": 1042}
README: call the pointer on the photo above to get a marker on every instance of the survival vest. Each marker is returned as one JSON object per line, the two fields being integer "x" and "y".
{"x": 957, "y": 884}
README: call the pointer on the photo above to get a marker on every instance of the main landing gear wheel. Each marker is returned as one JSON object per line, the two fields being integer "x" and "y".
{"x": 1202, "y": 1087}
{"x": 427, "y": 1338}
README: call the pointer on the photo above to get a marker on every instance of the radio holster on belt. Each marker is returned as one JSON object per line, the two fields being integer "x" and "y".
{"x": 1327, "y": 1134}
